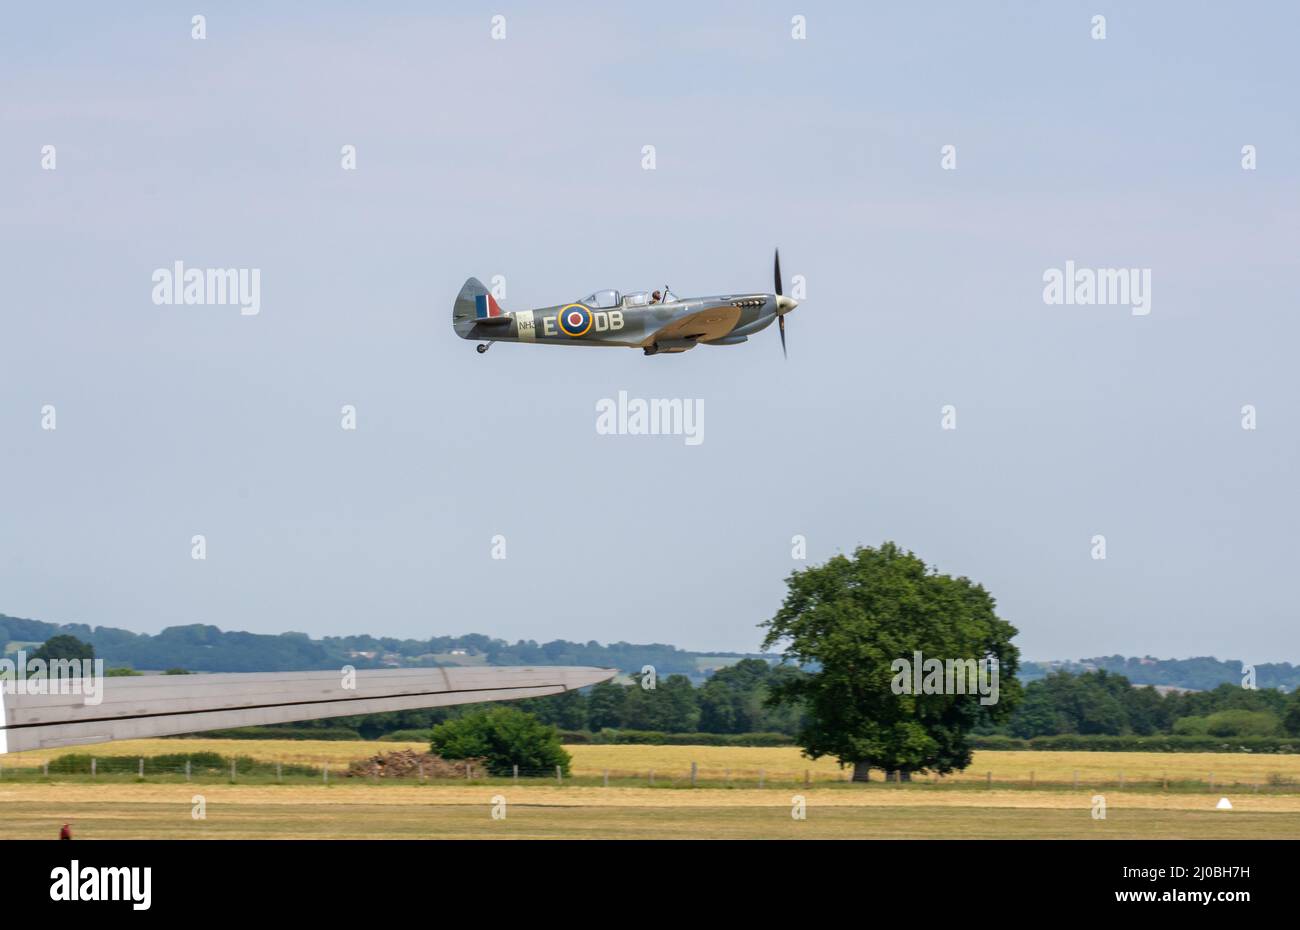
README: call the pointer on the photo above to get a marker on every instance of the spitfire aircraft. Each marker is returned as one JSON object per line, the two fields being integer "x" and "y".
{"x": 655, "y": 322}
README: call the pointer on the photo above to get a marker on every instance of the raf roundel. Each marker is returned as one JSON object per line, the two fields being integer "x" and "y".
{"x": 575, "y": 320}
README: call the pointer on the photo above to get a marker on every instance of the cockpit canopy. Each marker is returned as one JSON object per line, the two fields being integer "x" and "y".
{"x": 602, "y": 300}
{"x": 606, "y": 300}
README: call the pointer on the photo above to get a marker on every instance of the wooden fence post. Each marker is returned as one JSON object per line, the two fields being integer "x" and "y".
{"x": 988, "y": 780}
{"x": 606, "y": 778}
{"x": 694, "y": 773}
{"x": 762, "y": 775}
{"x": 515, "y": 772}
{"x": 278, "y": 771}
{"x": 559, "y": 776}
{"x": 142, "y": 766}
{"x": 187, "y": 769}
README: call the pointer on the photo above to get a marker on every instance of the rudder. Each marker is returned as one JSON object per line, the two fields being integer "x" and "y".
{"x": 474, "y": 304}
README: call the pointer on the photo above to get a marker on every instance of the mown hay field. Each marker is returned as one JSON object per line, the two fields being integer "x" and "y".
{"x": 308, "y": 752}
{"x": 713, "y": 763}
{"x": 728, "y": 802}
{"x": 449, "y": 811}
{"x": 776, "y": 765}
{"x": 782, "y": 764}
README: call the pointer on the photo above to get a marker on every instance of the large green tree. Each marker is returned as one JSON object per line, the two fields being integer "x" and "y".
{"x": 734, "y": 700}
{"x": 605, "y": 705}
{"x": 567, "y": 710}
{"x": 504, "y": 737}
{"x": 671, "y": 706}
{"x": 848, "y": 621}
{"x": 1291, "y": 715}
{"x": 64, "y": 646}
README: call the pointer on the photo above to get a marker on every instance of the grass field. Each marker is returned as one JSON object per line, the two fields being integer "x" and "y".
{"x": 958, "y": 806}
{"x": 446, "y": 811}
{"x": 782, "y": 764}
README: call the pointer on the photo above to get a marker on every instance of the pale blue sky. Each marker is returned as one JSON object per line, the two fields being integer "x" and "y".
{"x": 523, "y": 158}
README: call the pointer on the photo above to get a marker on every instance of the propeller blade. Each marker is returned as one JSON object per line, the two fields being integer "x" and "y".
{"x": 781, "y": 322}
{"x": 776, "y": 270}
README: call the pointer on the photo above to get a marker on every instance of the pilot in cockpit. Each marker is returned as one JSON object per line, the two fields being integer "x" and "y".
{"x": 656, "y": 298}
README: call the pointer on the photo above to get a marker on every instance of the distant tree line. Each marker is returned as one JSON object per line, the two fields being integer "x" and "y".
{"x": 735, "y": 700}
{"x": 732, "y": 701}
{"x": 1202, "y": 673}
{"x": 207, "y": 648}
{"x": 1103, "y": 703}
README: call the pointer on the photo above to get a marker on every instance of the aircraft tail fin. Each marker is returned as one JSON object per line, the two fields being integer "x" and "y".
{"x": 474, "y": 304}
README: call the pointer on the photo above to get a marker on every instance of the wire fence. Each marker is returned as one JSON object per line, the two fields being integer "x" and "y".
{"x": 213, "y": 768}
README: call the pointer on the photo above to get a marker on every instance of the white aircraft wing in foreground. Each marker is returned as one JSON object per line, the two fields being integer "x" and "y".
{"x": 139, "y": 707}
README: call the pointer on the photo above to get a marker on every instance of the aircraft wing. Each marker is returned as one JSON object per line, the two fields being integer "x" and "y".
{"x": 163, "y": 705}
{"x": 703, "y": 325}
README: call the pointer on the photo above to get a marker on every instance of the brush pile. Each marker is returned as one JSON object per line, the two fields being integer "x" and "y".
{"x": 407, "y": 763}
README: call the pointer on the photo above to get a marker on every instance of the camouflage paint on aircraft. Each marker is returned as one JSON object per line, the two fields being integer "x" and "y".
{"x": 608, "y": 318}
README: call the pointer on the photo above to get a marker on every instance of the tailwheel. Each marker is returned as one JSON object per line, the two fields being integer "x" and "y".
{"x": 482, "y": 347}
